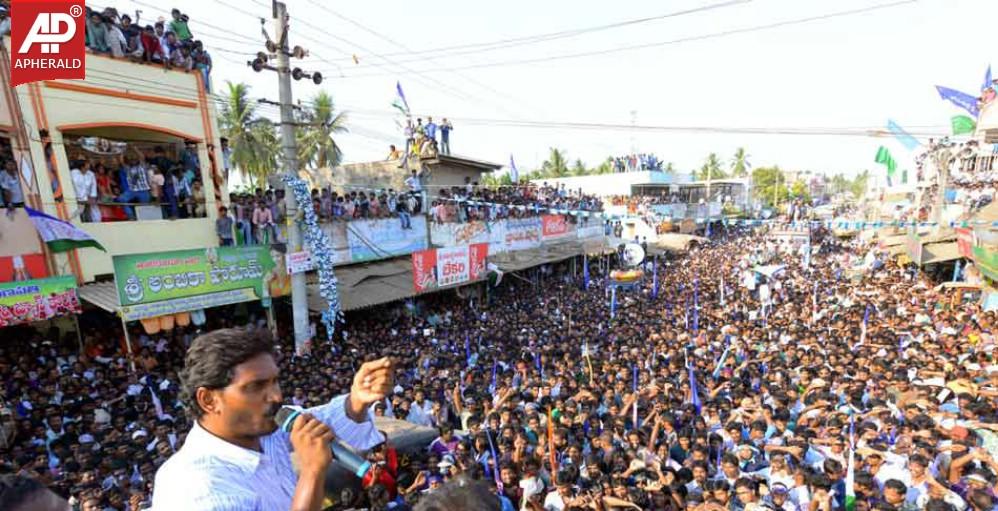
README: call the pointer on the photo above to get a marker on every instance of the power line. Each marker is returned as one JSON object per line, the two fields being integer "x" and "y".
{"x": 463, "y": 49}
{"x": 712, "y": 35}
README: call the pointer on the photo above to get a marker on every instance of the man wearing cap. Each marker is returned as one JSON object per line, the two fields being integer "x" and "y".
{"x": 779, "y": 498}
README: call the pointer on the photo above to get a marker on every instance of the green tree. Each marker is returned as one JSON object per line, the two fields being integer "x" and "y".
{"x": 579, "y": 168}
{"x": 252, "y": 139}
{"x": 739, "y": 163}
{"x": 556, "y": 165}
{"x": 317, "y": 149}
{"x": 858, "y": 186}
{"x": 670, "y": 168}
{"x": 606, "y": 167}
{"x": 770, "y": 185}
{"x": 800, "y": 190}
{"x": 711, "y": 167}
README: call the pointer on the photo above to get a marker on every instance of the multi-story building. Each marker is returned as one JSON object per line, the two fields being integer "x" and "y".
{"x": 123, "y": 109}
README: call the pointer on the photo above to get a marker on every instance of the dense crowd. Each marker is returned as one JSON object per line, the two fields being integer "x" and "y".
{"x": 166, "y": 42}
{"x": 691, "y": 398}
{"x": 471, "y": 202}
{"x": 110, "y": 184}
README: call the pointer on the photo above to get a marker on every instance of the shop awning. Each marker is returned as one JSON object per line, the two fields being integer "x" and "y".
{"x": 103, "y": 295}
{"x": 940, "y": 252}
{"x": 523, "y": 259}
{"x": 364, "y": 285}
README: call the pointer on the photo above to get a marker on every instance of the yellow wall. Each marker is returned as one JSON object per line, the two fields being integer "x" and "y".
{"x": 47, "y": 106}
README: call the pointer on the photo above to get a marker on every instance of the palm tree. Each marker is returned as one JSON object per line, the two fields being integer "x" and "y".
{"x": 711, "y": 168}
{"x": 555, "y": 165}
{"x": 739, "y": 164}
{"x": 579, "y": 168}
{"x": 251, "y": 138}
{"x": 317, "y": 149}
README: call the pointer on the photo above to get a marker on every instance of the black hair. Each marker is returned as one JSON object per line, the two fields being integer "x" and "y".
{"x": 896, "y": 485}
{"x": 461, "y": 493}
{"x": 212, "y": 359}
{"x": 744, "y": 482}
{"x": 17, "y": 490}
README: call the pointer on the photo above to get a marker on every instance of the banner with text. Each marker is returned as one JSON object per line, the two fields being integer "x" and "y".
{"x": 38, "y": 299}
{"x": 456, "y": 234}
{"x": 383, "y": 238}
{"x": 448, "y": 266}
{"x": 965, "y": 242}
{"x": 518, "y": 234}
{"x": 161, "y": 283}
{"x": 556, "y": 227}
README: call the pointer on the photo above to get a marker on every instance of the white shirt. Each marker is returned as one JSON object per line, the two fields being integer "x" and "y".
{"x": 85, "y": 184}
{"x": 12, "y": 185}
{"x": 210, "y": 474}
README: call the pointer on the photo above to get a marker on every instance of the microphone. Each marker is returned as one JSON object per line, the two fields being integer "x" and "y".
{"x": 359, "y": 466}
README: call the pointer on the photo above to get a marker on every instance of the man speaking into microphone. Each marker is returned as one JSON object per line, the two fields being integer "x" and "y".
{"x": 235, "y": 457}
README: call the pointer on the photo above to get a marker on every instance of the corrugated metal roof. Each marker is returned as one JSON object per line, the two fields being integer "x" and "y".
{"x": 939, "y": 252}
{"x": 364, "y": 285}
{"x": 101, "y": 294}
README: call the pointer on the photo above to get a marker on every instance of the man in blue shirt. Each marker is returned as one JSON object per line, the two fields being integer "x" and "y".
{"x": 430, "y": 129}
{"x": 445, "y": 128}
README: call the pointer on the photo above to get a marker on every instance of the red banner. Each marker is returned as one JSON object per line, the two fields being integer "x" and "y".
{"x": 476, "y": 260}
{"x": 965, "y": 242}
{"x": 23, "y": 267}
{"x": 553, "y": 226}
{"x": 424, "y": 270}
{"x": 450, "y": 266}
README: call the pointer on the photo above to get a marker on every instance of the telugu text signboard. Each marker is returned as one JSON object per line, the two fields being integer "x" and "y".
{"x": 449, "y": 266}
{"x": 519, "y": 234}
{"x": 37, "y": 299}
{"x": 161, "y": 283}
{"x": 370, "y": 240}
{"x": 555, "y": 227}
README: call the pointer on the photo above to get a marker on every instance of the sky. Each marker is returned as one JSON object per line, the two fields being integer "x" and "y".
{"x": 702, "y": 64}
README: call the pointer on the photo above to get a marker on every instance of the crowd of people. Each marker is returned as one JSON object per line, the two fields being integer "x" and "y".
{"x": 696, "y": 396}
{"x": 109, "y": 186}
{"x": 164, "y": 42}
{"x": 423, "y": 140}
{"x": 636, "y": 162}
{"x": 471, "y": 202}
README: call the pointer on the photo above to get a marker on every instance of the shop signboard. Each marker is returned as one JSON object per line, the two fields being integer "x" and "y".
{"x": 986, "y": 261}
{"x": 159, "y": 283}
{"x": 449, "y": 266}
{"x": 965, "y": 242}
{"x": 37, "y": 299}
{"x": 370, "y": 240}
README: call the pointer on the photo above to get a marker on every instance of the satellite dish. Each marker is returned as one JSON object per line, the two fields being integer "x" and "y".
{"x": 633, "y": 254}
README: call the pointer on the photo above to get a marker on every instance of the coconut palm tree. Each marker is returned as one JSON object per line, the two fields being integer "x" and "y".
{"x": 739, "y": 163}
{"x": 252, "y": 138}
{"x": 556, "y": 165}
{"x": 711, "y": 168}
{"x": 317, "y": 149}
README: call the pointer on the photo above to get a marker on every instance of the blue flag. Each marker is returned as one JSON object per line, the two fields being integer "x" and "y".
{"x": 654, "y": 278}
{"x": 514, "y": 174}
{"x": 694, "y": 392}
{"x": 960, "y": 99}
{"x": 903, "y": 136}
{"x": 585, "y": 271}
{"x": 613, "y": 302}
{"x": 467, "y": 349}
{"x": 492, "y": 386}
{"x": 987, "y": 79}
{"x": 398, "y": 89}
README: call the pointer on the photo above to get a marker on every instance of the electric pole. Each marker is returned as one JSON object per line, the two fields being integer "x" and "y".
{"x": 279, "y": 51}
{"x": 943, "y": 158}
